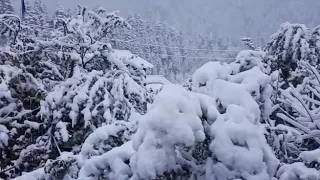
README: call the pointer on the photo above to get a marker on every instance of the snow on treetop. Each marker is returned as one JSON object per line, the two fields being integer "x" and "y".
{"x": 210, "y": 72}
{"x": 132, "y": 59}
{"x": 287, "y": 25}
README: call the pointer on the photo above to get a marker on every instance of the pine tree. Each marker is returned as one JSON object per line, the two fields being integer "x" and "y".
{"x": 36, "y": 19}
{"x": 294, "y": 57}
{"x": 315, "y": 44}
{"x": 61, "y": 13}
{"x": 288, "y": 47}
{"x": 27, "y": 73}
{"x": 6, "y": 7}
{"x": 42, "y": 18}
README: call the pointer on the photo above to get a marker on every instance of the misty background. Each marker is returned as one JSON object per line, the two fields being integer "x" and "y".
{"x": 232, "y": 19}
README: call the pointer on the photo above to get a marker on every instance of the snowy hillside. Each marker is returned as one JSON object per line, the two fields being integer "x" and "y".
{"x": 78, "y": 104}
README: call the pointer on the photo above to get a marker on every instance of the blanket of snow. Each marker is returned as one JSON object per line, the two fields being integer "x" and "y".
{"x": 224, "y": 105}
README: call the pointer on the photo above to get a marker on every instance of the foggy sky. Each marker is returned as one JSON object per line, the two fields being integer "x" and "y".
{"x": 224, "y": 18}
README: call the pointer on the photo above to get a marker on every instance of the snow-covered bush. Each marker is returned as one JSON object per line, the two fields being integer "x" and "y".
{"x": 172, "y": 124}
{"x": 213, "y": 132}
{"x": 239, "y": 148}
{"x": 242, "y": 94}
{"x": 299, "y": 108}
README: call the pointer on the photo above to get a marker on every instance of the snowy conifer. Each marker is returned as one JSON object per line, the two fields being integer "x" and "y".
{"x": 288, "y": 47}
{"x": 6, "y": 7}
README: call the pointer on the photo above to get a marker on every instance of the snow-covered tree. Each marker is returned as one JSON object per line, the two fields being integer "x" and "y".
{"x": 36, "y": 20}
{"x": 75, "y": 103}
{"x": 60, "y": 13}
{"x": 10, "y": 27}
{"x": 292, "y": 54}
{"x": 293, "y": 127}
{"x": 104, "y": 88}
{"x": 42, "y": 18}
{"x": 249, "y": 43}
{"x": 315, "y": 43}
{"x": 21, "y": 94}
{"x": 27, "y": 74}
{"x": 6, "y": 7}
{"x": 288, "y": 47}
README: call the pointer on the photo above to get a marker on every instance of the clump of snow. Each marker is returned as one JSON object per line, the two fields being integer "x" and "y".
{"x": 227, "y": 93}
{"x": 37, "y": 174}
{"x": 173, "y": 119}
{"x": 114, "y": 160}
{"x": 249, "y": 59}
{"x": 154, "y": 83}
{"x": 3, "y": 136}
{"x": 310, "y": 156}
{"x": 297, "y": 171}
{"x": 62, "y": 131}
{"x": 238, "y": 143}
{"x": 128, "y": 58}
{"x": 100, "y": 134}
{"x": 253, "y": 81}
{"x": 210, "y": 72}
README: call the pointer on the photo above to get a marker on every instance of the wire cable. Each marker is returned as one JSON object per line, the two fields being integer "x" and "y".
{"x": 172, "y": 47}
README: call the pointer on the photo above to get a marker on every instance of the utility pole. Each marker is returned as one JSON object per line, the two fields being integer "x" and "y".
{"x": 23, "y": 9}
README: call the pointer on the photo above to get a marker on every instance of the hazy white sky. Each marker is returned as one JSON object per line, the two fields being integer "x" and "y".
{"x": 122, "y": 5}
{"x": 225, "y": 18}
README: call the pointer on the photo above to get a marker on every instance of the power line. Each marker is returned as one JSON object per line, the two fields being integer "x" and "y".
{"x": 154, "y": 45}
{"x": 172, "y": 47}
{"x": 210, "y": 50}
{"x": 189, "y": 57}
